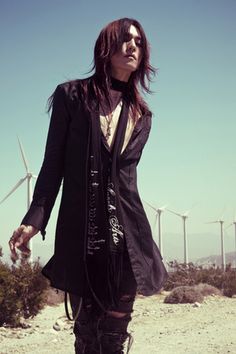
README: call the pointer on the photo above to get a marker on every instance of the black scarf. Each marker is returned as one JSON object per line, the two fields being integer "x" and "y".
{"x": 105, "y": 236}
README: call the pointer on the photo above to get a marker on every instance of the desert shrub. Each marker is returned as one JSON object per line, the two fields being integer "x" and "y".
{"x": 229, "y": 283}
{"x": 10, "y": 304}
{"x": 206, "y": 289}
{"x": 190, "y": 274}
{"x": 183, "y": 295}
{"x": 31, "y": 286}
{"x": 213, "y": 276}
{"x": 22, "y": 292}
{"x": 182, "y": 274}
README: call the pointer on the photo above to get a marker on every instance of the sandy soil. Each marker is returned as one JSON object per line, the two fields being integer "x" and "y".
{"x": 157, "y": 328}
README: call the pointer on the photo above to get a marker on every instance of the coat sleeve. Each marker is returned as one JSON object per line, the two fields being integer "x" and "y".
{"x": 51, "y": 172}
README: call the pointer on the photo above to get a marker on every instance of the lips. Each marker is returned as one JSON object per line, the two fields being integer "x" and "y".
{"x": 130, "y": 56}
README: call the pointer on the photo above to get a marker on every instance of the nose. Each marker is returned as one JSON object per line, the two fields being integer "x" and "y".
{"x": 131, "y": 45}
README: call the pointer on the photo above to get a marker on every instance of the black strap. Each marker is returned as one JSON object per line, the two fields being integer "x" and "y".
{"x": 73, "y": 318}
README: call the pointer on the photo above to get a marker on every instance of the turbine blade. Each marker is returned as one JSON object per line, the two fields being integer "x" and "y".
{"x": 173, "y": 212}
{"x": 193, "y": 205}
{"x": 35, "y": 176}
{"x": 163, "y": 207}
{"x": 155, "y": 224}
{"x": 228, "y": 226}
{"x": 23, "y": 155}
{"x": 223, "y": 210}
{"x": 186, "y": 213}
{"x": 150, "y": 206}
{"x": 212, "y": 222}
{"x": 13, "y": 189}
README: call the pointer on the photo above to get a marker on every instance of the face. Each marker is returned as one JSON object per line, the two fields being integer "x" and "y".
{"x": 128, "y": 58}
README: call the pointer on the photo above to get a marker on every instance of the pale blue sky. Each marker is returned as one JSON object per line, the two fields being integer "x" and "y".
{"x": 190, "y": 156}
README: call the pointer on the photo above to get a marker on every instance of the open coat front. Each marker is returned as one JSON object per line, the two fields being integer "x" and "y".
{"x": 66, "y": 159}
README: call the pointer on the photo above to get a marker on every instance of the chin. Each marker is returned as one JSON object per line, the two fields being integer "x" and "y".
{"x": 131, "y": 68}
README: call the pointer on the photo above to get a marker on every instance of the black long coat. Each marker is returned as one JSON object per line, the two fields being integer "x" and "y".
{"x": 66, "y": 159}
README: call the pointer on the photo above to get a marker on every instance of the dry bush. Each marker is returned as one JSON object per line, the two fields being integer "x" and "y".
{"x": 190, "y": 274}
{"x": 22, "y": 290}
{"x": 229, "y": 283}
{"x": 184, "y": 295}
{"x": 213, "y": 276}
{"x": 30, "y": 288}
{"x": 10, "y": 304}
{"x": 182, "y": 274}
{"x": 206, "y": 289}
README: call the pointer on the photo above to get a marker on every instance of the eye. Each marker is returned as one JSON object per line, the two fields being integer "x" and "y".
{"x": 127, "y": 37}
{"x": 138, "y": 43}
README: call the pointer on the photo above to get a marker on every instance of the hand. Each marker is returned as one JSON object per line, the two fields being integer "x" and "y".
{"x": 20, "y": 239}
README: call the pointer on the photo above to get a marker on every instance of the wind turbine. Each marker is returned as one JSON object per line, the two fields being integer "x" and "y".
{"x": 234, "y": 223}
{"x": 158, "y": 218}
{"x": 28, "y": 178}
{"x": 221, "y": 222}
{"x": 184, "y": 217}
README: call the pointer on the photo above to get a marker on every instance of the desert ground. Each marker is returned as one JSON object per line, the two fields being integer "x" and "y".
{"x": 158, "y": 328}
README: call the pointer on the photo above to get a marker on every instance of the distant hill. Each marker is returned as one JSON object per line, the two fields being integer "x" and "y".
{"x": 230, "y": 257}
{"x": 200, "y": 247}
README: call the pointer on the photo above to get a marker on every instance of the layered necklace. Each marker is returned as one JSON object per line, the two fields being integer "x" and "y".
{"x": 109, "y": 118}
{"x": 120, "y": 87}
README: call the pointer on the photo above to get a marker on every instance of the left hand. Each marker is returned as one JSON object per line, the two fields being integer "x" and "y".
{"x": 20, "y": 240}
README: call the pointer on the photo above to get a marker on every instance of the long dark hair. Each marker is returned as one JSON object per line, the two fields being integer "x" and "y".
{"x": 107, "y": 44}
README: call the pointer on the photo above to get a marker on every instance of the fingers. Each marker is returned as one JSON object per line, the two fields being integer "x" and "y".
{"x": 20, "y": 239}
{"x": 13, "y": 239}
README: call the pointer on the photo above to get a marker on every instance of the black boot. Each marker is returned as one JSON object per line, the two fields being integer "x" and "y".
{"x": 113, "y": 343}
{"x": 85, "y": 327}
{"x": 112, "y": 335}
{"x": 85, "y": 338}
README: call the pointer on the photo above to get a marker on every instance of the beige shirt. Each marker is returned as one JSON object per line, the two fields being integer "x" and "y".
{"x": 114, "y": 124}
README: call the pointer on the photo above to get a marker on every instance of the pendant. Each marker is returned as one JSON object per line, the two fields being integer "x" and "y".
{"x": 108, "y": 133}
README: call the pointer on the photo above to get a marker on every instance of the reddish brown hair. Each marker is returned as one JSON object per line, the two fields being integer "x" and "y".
{"x": 107, "y": 44}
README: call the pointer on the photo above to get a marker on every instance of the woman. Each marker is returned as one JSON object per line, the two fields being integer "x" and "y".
{"x": 104, "y": 251}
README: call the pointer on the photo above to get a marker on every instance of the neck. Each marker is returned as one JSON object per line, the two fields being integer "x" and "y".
{"x": 118, "y": 85}
{"x": 120, "y": 75}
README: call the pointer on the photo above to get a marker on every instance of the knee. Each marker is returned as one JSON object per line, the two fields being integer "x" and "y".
{"x": 124, "y": 308}
{"x": 116, "y": 314}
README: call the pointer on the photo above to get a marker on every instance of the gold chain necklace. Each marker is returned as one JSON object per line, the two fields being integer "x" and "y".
{"x": 108, "y": 118}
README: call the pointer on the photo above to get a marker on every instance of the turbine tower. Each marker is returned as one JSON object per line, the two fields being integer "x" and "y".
{"x": 234, "y": 223}
{"x": 184, "y": 217}
{"x": 221, "y": 222}
{"x": 28, "y": 177}
{"x": 158, "y": 223}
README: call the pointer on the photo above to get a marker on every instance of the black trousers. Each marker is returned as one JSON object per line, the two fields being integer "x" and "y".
{"x": 97, "y": 331}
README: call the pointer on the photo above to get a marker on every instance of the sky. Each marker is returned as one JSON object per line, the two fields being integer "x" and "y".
{"x": 189, "y": 161}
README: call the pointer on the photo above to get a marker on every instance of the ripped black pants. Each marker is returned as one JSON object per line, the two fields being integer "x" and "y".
{"x": 97, "y": 332}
